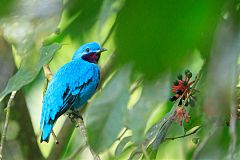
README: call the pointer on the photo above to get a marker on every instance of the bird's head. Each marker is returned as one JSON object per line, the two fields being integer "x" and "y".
{"x": 90, "y": 52}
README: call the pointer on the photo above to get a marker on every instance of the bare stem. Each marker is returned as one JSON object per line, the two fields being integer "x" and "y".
{"x": 82, "y": 128}
{"x": 54, "y": 137}
{"x": 186, "y": 135}
{"x": 125, "y": 130}
{"x": 47, "y": 72}
{"x": 4, "y": 131}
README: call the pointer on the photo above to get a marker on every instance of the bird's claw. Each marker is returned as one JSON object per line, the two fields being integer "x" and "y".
{"x": 75, "y": 115}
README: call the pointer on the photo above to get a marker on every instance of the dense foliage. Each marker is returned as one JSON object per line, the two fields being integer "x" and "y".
{"x": 143, "y": 108}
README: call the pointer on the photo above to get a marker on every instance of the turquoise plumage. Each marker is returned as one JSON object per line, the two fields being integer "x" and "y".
{"x": 71, "y": 86}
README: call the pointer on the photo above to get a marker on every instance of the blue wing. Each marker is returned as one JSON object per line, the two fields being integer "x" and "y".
{"x": 70, "y": 88}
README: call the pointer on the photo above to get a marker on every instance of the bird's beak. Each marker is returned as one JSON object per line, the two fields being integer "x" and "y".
{"x": 102, "y": 50}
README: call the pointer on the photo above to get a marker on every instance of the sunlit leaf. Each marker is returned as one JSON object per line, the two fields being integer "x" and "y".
{"x": 29, "y": 68}
{"x": 153, "y": 131}
{"x": 104, "y": 116}
{"x": 152, "y": 95}
{"x": 162, "y": 133}
{"x": 151, "y": 135}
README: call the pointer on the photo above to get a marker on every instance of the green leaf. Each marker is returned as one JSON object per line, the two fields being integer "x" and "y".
{"x": 105, "y": 115}
{"x": 121, "y": 146}
{"x": 152, "y": 95}
{"x": 153, "y": 131}
{"x": 162, "y": 133}
{"x": 6, "y": 8}
{"x": 150, "y": 137}
{"x": 47, "y": 53}
{"x": 160, "y": 35}
{"x": 6, "y": 60}
{"x": 153, "y": 147}
{"x": 29, "y": 68}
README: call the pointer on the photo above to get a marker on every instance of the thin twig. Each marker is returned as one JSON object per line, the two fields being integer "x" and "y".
{"x": 186, "y": 135}
{"x": 4, "y": 131}
{"x": 136, "y": 85}
{"x": 125, "y": 130}
{"x": 82, "y": 128}
{"x": 47, "y": 72}
{"x": 54, "y": 137}
{"x": 109, "y": 34}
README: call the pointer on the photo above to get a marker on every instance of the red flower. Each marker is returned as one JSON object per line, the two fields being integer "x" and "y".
{"x": 180, "y": 114}
{"x": 182, "y": 86}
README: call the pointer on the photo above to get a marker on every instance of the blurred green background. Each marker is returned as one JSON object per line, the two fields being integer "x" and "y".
{"x": 149, "y": 43}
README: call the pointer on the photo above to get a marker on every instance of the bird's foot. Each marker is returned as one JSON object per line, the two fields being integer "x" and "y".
{"x": 74, "y": 115}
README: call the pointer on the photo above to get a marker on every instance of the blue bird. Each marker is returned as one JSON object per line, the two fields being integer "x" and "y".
{"x": 71, "y": 86}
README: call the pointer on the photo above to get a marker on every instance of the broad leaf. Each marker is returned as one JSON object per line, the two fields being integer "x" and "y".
{"x": 5, "y": 9}
{"x": 29, "y": 68}
{"x": 151, "y": 135}
{"x": 104, "y": 115}
{"x": 160, "y": 35}
{"x": 152, "y": 95}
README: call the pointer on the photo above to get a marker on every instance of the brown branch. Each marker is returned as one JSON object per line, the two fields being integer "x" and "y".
{"x": 125, "y": 130}
{"x": 4, "y": 131}
{"x": 83, "y": 131}
{"x": 47, "y": 72}
{"x": 54, "y": 137}
{"x": 183, "y": 136}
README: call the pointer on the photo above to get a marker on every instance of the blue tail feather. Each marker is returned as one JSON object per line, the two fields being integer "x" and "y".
{"x": 47, "y": 129}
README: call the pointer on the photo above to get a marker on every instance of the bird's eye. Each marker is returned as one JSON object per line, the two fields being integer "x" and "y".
{"x": 87, "y": 50}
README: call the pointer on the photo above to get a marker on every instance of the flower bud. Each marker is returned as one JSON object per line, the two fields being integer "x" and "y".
{"x": 175, "y": 83}
{"x": 180, "y": 77}
{"x": 173, "y": 98}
